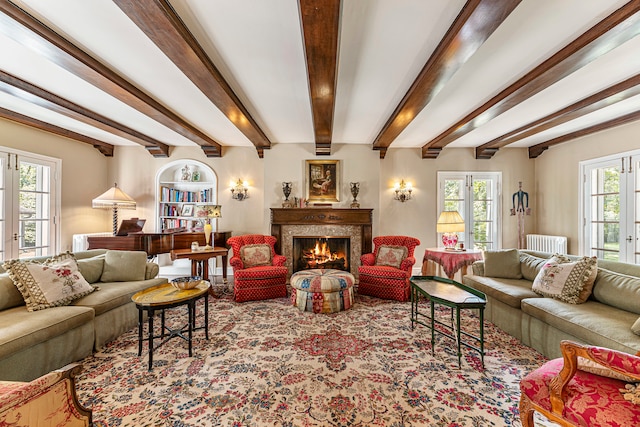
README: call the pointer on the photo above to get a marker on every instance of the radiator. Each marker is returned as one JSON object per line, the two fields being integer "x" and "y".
{"x": 80, "y": 242}
{"x": 543, "y": 243}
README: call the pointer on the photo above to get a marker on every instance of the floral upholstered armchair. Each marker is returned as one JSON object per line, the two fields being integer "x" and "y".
{"x": 49, "y": 400}
{"x": 586, "y": 387}
{"x": 385, "y": 272}
{"x": 258, "y": 272}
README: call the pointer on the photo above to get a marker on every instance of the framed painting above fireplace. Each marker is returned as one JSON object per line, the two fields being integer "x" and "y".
{"x": 322, "y": 181}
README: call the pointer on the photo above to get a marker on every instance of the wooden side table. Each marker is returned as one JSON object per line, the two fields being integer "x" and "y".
{"x": 200, "y": 260}
{"x": 451, "y": 261}
{"x": 165, "y": 296}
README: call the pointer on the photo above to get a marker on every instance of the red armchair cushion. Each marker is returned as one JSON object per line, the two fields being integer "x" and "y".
{"x": 255, "y": 255}
{"x": 590, "y": 399}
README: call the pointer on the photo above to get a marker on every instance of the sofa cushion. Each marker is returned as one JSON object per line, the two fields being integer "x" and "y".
{"x": 617, "y": 290}
{"x": 115, "y": 294}
{"x": 507, "y": 291}
{"x": 11, "y": 296}
{"x": 20, "y": 329}
{"x": 124, "y": 266}
{"x": 502, "y": 264}
{"x": 391, "y": 255}
{"x": 591, "y": 322}
{"x": 53, "y": 283}
{"x": 530, "y": 265}
{"x": 91, "y": 268}
{"x": 570, "y": 282}
{"x": 255, "y": 255}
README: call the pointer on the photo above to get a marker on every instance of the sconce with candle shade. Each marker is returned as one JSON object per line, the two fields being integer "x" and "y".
{"x": 449, "y": 224}
{"x": 114, "y": 198}
{"x": 403, "y": 191}
{"x": 240, "y": 190}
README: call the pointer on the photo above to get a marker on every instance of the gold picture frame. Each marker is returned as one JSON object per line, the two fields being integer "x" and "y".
{"x": 322, "y": 181}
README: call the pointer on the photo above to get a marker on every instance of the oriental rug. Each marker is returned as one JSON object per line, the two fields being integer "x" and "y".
{"x": 268, "y": 364}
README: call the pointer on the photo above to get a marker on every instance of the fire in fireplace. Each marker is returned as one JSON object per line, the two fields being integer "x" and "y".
{"x": 321, "y": 252}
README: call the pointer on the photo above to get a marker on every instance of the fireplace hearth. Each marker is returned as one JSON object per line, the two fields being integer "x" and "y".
{"x": 323, "y": 252}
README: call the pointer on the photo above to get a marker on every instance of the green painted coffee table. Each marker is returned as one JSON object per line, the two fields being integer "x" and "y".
{"x": 449, "y": 293}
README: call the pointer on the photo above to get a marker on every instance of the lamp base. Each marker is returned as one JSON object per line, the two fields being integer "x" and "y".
{"x": 449, "y": 240}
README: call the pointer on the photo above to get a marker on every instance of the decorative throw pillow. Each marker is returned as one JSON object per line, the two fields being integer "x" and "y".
{"x": 124, "y": 266}
{"x": 53, "y": 283}
{"x": 592, "y": 367}
{"x": 570, "y": 282}
{"x": 255, "y": 255}
{"x": 391, "y": 255}
{"x": 635, "y": 328}
{"x": 631, "y": 392}
{"x": 503, "y": 264}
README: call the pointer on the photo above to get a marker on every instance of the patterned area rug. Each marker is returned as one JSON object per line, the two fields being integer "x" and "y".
{"x": 268, "y": 364}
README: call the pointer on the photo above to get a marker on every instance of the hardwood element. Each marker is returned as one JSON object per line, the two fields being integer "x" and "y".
{"x": 18, "y": 25}
{"x": 614, "y": 30}
{"x": 38, "y": 96}
{"x": 472, "y": 27}
{"x": 609, "y": 96}
{"x": 321, "y": 28}
{"x": 536, "y": 150}
{"x": 200, "y": 260}
{"x": 103, "y": 147}
{"x": 156, "y": 243}
{"x": 314, "y": 216}
{"x": 159, "y": 21}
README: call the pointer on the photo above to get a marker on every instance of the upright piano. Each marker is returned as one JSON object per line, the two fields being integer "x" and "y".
{"x": 157, "y": 243}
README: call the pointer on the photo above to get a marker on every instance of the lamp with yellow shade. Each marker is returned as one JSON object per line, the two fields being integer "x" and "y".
{"x": 450, "y": 223}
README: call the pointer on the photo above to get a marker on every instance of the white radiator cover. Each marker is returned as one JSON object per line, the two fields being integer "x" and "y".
{"x": 544, "y": 243}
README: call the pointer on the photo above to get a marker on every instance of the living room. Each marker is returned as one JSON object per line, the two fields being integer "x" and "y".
{"x": 259, "y": 338}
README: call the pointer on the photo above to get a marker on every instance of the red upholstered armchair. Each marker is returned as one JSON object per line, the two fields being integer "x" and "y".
{"x": 569, "y": 393}
{"x": 385, "y": 272}
{"x": 258, "y": 272}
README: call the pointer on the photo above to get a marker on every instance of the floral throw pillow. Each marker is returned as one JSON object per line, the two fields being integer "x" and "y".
{"x": 391, "y": 255}
{"x": 53, "y": 283}
{"x": 571, "y": 282}
{"x": 255, "y": 255}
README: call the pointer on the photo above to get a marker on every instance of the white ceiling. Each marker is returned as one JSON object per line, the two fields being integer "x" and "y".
{"x": 259, "y": 49}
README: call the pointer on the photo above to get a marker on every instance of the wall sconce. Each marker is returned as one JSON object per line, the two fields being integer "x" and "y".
{"x": 240, "y": 190}
{"x": 403, "y": 191}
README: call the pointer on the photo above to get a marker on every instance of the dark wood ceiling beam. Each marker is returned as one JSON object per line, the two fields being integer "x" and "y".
{"x": 477, "y": 20}
{"x": 321, "y": 30}
{"x": 18, "y": 25}
{"x": 159, "y": 21}
{"x": 614, "y": 30}
{"x": 536, "y": 150}
{"x": 605, "y": 98}
{"x": 37, "y": 96}
{"x": 103, "y": 147}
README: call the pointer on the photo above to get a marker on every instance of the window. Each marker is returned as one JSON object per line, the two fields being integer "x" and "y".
{"x": 28, "y": 204}
{"x": 610, "y": 207}
{"x": 476, "y": 196}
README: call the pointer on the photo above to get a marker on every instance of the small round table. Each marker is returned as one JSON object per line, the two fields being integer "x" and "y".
{"x": 165, "y": 296}
{"x": 322, "y": 290}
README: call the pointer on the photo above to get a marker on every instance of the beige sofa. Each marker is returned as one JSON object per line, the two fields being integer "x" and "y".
{"x": 33, "y": 343}
{"x": 608, "y": 318}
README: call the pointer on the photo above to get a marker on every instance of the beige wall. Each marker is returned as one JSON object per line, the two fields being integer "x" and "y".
{"x": 557, "y": 178}
{"x": 551, "y": 180}
{"x": 84, "y": 176}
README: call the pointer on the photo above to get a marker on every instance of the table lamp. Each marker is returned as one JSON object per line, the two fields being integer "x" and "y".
{"x": 212, "y": 211}
{"x": 449, "y": 224}
{"x": 115, "y": 199}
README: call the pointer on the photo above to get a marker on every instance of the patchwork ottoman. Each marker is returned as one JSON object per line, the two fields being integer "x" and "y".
{"x": 322, "y": 291}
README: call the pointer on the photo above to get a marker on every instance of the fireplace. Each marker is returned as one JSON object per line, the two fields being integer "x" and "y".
{"x": 351, "y": 224}
{"x": 324, "y": 252}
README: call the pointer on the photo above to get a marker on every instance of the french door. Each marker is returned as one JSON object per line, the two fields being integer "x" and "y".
{"x": 29, "y": 193}
{"x": 476, "y": 196}
{"x": 611, "y": 208}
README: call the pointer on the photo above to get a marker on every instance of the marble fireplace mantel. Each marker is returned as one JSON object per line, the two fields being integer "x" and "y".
{"x": 287, "y": 223}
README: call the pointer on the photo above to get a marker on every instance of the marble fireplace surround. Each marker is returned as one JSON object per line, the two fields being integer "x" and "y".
{"x": 287, "y": 223}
